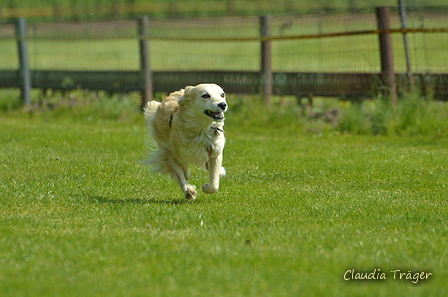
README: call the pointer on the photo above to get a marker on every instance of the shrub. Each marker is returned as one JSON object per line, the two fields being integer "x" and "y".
{"x": 413, "y": 115}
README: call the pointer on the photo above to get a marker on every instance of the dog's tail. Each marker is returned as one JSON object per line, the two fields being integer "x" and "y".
{"x": 150, "y": 111}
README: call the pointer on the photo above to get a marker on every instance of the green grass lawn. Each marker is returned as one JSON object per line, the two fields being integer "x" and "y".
{"x": 80, "y": 215}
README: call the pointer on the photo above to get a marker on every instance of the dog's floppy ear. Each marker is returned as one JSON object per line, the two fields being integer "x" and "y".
{"x": 187, "y": 98}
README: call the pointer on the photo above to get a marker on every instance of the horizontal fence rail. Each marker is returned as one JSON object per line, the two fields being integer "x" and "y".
{"x": 259, "y": 38}
{"x": 345, "y": 85}
{"x": 309, "y": 36}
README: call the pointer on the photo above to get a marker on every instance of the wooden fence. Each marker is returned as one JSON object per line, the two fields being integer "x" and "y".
{"x": 264, "y": 81}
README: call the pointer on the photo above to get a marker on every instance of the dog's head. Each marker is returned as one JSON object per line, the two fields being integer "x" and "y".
{"x": 206, "y": 100}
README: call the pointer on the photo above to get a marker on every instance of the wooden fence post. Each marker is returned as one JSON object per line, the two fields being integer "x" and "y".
{"x": 266, "y": 59}
{"x": 230, "y": 7}
{"x": 57, "y": 12}
{"x": 402, "y": 9}
{"x": 24, "y": 69}
{"x": 386, "y": 51}
{"x": 145, "y": 65}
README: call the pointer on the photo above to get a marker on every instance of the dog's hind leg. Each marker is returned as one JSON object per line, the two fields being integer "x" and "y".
{"x": 186, "y": 172}
{"x": 216, "y": 171}
{"x": 164, "y": 162}
{"x": 179, "y": 173}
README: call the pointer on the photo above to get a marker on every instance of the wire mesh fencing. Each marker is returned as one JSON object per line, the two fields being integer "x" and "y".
{"x": 318, "y": 43}
{"x": 229, "y": 43}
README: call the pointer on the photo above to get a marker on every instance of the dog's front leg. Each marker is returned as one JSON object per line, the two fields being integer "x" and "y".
{"x": 216, "y": 171}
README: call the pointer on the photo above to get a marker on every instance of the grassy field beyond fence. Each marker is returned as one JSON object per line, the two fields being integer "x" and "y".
{"x": 301, "y": 205}
{"x": 115, "y": 9}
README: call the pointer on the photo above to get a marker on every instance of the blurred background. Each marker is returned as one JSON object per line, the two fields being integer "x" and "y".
{"x": 103, "y": 35}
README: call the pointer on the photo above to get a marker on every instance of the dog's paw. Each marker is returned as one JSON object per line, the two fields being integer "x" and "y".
{"x": 222, "y": 173}
{"x": 190, "y": 193}
{"x": 209, "y": 189}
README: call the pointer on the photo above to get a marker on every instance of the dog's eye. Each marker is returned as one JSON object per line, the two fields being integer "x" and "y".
{"x": 223, "y": 95}
{"x": 206, "y": 96}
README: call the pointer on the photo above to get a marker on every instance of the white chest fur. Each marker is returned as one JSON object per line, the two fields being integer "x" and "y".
{"x": 197, "y": 149}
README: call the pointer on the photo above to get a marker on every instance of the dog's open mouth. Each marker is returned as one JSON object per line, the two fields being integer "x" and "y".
{"x": 217, "y": 116}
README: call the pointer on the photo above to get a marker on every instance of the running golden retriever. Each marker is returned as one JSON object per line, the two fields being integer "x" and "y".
{"x": 188, "y": 129}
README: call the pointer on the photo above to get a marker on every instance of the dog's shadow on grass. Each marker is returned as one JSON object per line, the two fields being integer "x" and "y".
{"x": 141, "y": 201}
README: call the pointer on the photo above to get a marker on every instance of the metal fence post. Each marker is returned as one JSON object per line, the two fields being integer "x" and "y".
{"x": 386, "y": 51}
{"x": 145, "y": 65}
{"x": 266, "y": 58}
{"x": 24, "y": 69}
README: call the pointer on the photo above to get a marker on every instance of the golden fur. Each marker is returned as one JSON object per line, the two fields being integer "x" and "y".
{"x": 188, "y": 128}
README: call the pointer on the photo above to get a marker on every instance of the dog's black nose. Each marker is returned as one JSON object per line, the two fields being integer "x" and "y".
{"x": 222, "y": 105}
